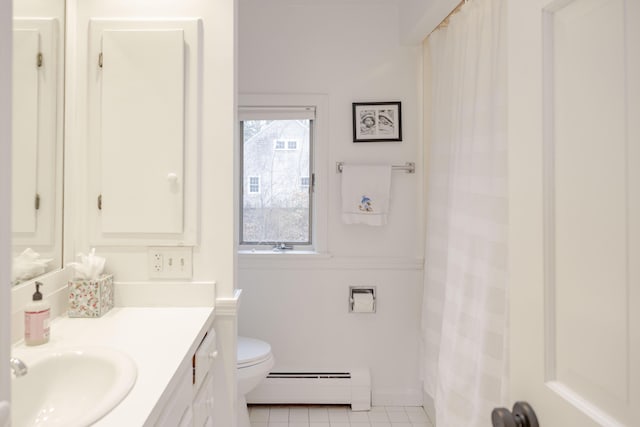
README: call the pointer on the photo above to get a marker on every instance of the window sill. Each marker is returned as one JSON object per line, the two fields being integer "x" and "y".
{"x": 268, "y": 253}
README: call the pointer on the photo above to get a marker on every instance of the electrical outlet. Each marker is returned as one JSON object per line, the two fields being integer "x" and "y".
{"x": 157, "y": 262}
{"x": 170, "y": 262}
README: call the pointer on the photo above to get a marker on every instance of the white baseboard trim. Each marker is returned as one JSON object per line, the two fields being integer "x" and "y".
{"x": 429, "y": 407}
{"x": 272, "y": 392}
{"x": 396, "y": 397}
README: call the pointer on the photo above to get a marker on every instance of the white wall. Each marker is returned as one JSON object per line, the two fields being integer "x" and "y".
{"x": 351, "y": 52}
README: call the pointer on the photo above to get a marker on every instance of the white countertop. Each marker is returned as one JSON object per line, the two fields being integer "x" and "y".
{"x": 158, "y": 339}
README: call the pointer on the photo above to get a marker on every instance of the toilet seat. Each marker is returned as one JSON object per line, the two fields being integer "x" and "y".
{"x": 252, "y": 352}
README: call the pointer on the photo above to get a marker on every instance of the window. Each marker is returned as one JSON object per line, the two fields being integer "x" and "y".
{"x": 254, "y": 184}
{"x": 273, "y": 209}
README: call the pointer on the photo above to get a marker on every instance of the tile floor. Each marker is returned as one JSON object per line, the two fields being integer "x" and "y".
{"x": 337, "y": 416}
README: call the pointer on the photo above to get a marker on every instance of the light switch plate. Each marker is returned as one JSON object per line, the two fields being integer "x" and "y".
{"x": 170, "y": 262}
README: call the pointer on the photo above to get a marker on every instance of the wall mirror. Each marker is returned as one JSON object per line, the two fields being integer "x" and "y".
{"x": 38, "y": 117}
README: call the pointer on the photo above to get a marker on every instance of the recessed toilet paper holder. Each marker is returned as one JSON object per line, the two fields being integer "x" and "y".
{"x": 362, "y": 293}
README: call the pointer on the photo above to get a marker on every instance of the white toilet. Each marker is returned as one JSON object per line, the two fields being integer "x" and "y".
{"x": 254, "y": 363}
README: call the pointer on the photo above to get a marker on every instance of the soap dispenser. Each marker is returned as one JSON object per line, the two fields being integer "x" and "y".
{"x": 36, "y": 319}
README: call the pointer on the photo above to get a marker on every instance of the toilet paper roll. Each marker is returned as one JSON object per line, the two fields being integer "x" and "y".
{"x": 362, "y": 302}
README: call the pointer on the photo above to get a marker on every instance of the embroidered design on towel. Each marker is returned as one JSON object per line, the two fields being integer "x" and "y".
{"x": 366, "y": 205}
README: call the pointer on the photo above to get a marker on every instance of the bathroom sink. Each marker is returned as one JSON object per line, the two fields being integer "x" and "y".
{"x": 71, "y": 387}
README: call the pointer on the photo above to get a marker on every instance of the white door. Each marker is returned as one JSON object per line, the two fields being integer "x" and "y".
{"x": 574, "y": 177}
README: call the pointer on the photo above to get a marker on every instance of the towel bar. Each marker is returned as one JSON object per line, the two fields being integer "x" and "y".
{"x": 409, "y": 167}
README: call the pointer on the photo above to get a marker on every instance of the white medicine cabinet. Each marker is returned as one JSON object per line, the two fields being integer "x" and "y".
{"x": 143, "y": 131}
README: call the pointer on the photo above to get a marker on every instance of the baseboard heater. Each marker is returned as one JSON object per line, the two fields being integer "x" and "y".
{"x": 347, "y": 388}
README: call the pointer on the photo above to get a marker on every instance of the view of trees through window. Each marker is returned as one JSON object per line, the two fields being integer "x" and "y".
{"x": 280, "y": 211}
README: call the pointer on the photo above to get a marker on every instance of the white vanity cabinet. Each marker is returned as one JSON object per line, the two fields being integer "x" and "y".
{"x": 189, "y": 400}
{"x": 172, "y": 347}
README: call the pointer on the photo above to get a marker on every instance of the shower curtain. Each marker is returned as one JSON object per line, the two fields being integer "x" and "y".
{"x": 464, "y": 335}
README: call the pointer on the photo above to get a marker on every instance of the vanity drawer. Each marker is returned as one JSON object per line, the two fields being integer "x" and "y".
{"x": 203, "y": 359}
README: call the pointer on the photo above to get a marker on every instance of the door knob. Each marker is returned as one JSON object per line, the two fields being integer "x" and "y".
{"x": 522, "y": 415}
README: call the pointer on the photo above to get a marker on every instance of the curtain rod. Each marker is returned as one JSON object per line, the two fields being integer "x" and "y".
{"x": 445, "y": 22}
{"x": 409, "y": 167}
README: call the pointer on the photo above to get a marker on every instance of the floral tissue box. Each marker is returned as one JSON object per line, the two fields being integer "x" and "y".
{"x": 90, "y": 298}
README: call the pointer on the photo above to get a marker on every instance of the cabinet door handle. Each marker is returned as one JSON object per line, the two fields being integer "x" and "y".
{"x": 213, "y": 355}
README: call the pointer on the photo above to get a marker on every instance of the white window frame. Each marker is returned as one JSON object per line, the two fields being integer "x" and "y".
{"x": 319, "y": 169}
{"x": 279, "y": 115}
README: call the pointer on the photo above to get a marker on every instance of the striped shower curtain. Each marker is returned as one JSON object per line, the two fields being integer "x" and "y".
{"x": 464, "y": 324}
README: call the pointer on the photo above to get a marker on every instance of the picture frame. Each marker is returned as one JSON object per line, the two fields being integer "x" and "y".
{"x": 377, "y": 121}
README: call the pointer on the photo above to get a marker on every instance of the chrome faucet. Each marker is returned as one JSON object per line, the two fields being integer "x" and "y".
{"x": 18, "y": 367}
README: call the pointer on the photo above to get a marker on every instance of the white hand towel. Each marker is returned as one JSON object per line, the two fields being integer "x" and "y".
{"x": 365, "y": 194}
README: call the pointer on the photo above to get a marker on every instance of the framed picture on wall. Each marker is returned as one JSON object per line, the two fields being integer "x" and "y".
{"x": 377, "y": 121}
